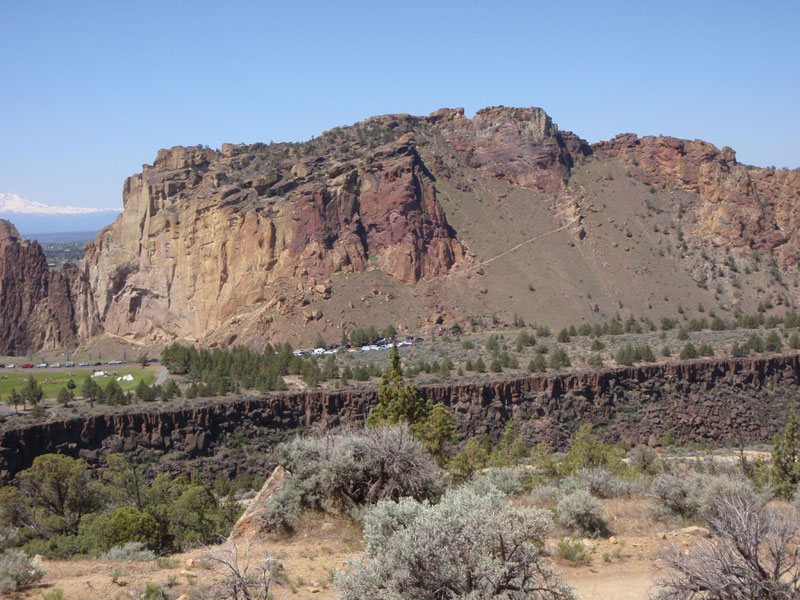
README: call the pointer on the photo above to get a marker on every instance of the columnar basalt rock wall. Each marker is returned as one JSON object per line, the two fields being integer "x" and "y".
{"x": 709, "y": 401}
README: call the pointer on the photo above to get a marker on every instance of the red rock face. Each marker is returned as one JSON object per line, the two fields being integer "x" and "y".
{"x": 744, "y": 206}
{"x": 519, "y": 145}
{"x": 36, "y": 308}
{"x": 389, "y": 210}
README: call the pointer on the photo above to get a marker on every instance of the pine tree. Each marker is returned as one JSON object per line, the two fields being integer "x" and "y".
{"x": 14, "y": 399}
{"x": 786, "y": 459}
{"x": 64, "y": 397}
{"x": 431, "y": 424}
{"x": 32, "y": 392}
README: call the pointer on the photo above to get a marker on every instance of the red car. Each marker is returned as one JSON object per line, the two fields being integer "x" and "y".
{"x": 26, "y": 365}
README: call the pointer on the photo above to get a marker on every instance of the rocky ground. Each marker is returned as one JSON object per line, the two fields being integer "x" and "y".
{"x": 620, "y": 567}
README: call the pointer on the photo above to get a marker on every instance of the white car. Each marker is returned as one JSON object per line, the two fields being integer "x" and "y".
{"x": 56, "y": 365}
{"x": 83, "y": 364}
{"x": 115, "y": 362}
{"x": 41, "y": 366}
{"x": 9, "y": 366}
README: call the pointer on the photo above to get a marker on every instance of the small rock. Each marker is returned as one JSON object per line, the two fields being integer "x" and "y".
{"x": 613, "y": 539}
{"x": 695, "y": 530}
{"x": 191, "y": 563}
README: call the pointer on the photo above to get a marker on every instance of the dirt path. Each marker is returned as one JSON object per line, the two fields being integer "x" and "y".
{"x": 630, "y": 580}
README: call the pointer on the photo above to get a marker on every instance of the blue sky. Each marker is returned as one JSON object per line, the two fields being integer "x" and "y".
{"x": 91, "y": 90}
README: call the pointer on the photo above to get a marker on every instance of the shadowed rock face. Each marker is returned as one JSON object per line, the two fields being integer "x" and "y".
{"x": 708, "y": 401}
{"x": 35, "y": 306}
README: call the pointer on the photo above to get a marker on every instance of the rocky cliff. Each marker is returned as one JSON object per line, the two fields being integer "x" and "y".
{"x": 427, "y": 221}
{"x": 206, "y": 235}
{"x": 35, "y": 305}
{"x": 742, "y": 206}
{"x": 707, "y": 401}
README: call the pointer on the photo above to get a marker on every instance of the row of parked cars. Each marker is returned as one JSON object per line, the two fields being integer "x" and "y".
{"x": 382, "y": 344}
{"x": 68, "y": 364}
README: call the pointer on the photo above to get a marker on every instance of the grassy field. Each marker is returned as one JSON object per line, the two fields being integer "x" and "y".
{"x": 53, "y": 380}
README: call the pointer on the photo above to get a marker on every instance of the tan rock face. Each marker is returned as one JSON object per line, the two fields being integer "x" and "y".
{"x": 197, "y": 243}
{"x": 743, "y": 205}
{"x": 36, "y": 311}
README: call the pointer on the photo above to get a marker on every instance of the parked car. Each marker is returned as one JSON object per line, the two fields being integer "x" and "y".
{"x": 56, "y": 365}
{"x": 9, "y": 366}
{"x": 83, "y": 364}
{"x": 98, "y": 364}
{"x": 41, "y": 366}
{"x": 26, "y": 365}
{"x": 153, "y": 360}
{"x": 69, "y": 364}
{"x": 115, "y": 362}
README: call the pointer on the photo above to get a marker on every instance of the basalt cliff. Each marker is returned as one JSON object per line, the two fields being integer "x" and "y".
{"x": 421, "y": 222}
{"x": 712, "y": 401}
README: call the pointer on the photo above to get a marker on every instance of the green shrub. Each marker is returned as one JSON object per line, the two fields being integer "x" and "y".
{"x": 583, "y": 513}
{"x": 595, "y": 360}
{"x": 598, "y": 481}
{"x": 120, "y": 526}
{"x": 537, "y": 364}
{"x": 131, "y": 551}
{"x": 588, "y": 452}
{"x": 705, "y": 349}
{"x": 473, "y": 457}
{"x": 559, "y": 359}
{"x": 688, "y": 351}
{"x": 786, "y": 459}
{"x": 342, "y": 472}
{"x": 17, "y": 571}
{"x": 509, "y": 480}
{"x": 573, "y": 551}
{"x": 773, "y": 342}
{"x": 474, "y": 545}
{"x": 755, "y": 343}
{"x": 794, "y": 341}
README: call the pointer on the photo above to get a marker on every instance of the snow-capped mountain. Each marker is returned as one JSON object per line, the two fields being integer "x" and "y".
{"x": 32, "y": 217}
{"x": 20, "y": 204}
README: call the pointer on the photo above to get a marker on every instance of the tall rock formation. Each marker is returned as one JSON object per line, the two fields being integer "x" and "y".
{"x": 206, "y": 235}
{"x": 36, "y": 307}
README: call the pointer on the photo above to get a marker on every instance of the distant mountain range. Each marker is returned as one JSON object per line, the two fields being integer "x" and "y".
{"x": 32, "y": 217}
